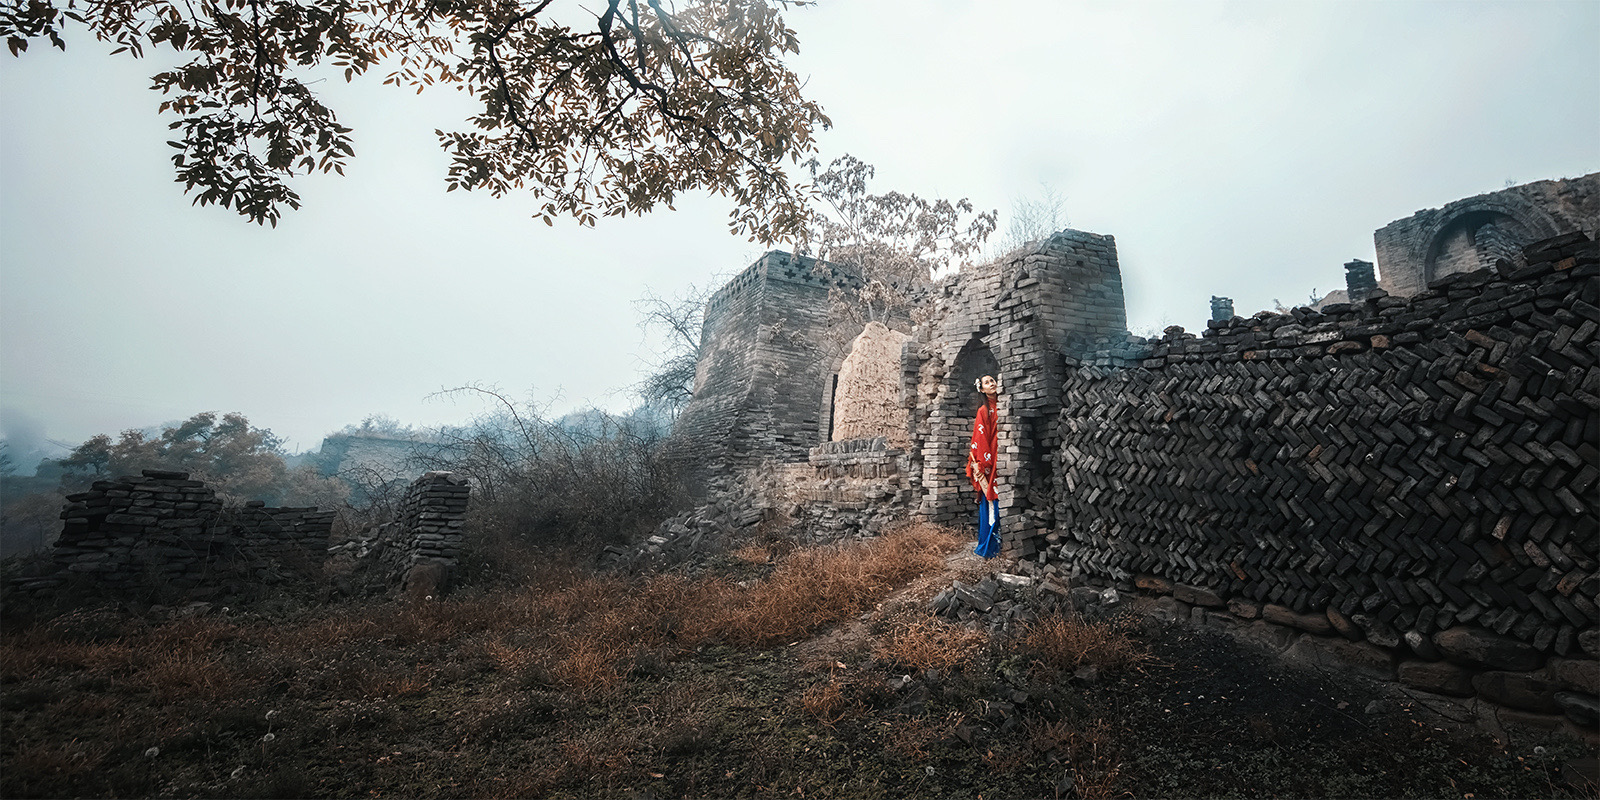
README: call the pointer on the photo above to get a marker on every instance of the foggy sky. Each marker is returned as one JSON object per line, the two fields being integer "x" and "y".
{"x": 1237, "y": 149}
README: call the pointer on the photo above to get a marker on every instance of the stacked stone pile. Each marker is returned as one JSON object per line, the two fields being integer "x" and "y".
{"x": 848, "y": 488}
{"x": 426, "y": 533}
{"x": 160, "y": 528}
{"x": 1407, "y": 467}
{"x": 737, "y": 506}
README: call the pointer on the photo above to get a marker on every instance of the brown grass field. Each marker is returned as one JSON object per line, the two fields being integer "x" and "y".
{"x": 816, "y": 672}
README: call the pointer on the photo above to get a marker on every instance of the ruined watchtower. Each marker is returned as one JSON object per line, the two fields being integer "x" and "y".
{"x": 766, "y": 379}
{"x": 759, "y": 389}
{"x": 1475, "y": 232}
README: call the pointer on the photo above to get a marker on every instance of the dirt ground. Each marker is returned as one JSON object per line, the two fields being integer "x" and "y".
{"x": 828, "y": 715}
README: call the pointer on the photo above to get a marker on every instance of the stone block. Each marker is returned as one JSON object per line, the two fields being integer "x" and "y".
{"x": 1525, "y": 691}
{"x": 1330, "y": 653}
{"x": 1310, "y": 623}
{"x": 1581, "y": 708}
{"x": 1274, "y": 638}
{"x": 1441, "y": 677}
{"x": 1343, "y": 625}
{"x": 1198, "y": 596}
{"x": 1575, "y": 674}
{"x": 1244, "y": 609}
{"x": 1480, "y": 648}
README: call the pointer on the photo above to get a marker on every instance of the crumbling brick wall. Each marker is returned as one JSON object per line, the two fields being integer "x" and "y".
{"x": 1411, "y": 465}
{"x": 1020, "y": 317}
{"x": 760, "y": 388}
{"x": 425, "y": 538}
{"x": 162, "y": 529}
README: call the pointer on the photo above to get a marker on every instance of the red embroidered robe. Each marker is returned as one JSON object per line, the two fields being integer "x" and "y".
{"x": 983, "y": 455}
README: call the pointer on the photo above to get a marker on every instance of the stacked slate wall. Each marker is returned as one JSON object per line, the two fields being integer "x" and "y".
{"x": 161, "y": 528}
{"x": 1413, "y": 472}
{"x": 427, "y": 530}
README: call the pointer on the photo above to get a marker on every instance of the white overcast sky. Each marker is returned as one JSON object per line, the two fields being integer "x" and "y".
{"x": 1244, "y": 149}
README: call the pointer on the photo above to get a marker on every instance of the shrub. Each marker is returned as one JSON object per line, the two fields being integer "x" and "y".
{"x": 922, "y": 644}
{"x": 1068, "y": 642}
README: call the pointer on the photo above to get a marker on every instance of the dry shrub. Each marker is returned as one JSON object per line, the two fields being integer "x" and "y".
{"x": 29, "y": 654}
{"x": 1090, "y": 753}
{"x": 590, "y": 664}
{"x": 817, "y": 586}
{"x": 753, "y": 553}
{"x": 601, "y": 749}
{"x": 910, "y": 738}
{"x": 192, "y": 634}
{"x": 396, "y": 682}
{"x": 921, "y": 644}
{"x": 1069, "y": 642}
{"x": 174, "y": 675}
{"x": 31, "y": 766}
{"x": 828, "y": 702}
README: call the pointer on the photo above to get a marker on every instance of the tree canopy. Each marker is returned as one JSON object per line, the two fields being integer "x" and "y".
{"x": 895, "y": 241}
{"x": 597, "y": 112}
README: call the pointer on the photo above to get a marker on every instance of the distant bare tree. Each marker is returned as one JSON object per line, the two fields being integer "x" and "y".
{"x": 678, "y": 321}
{"x": 1034, "y": 218}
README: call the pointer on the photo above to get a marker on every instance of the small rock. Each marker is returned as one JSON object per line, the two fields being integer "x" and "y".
{"x": 1575, "y": 674}
{"x": 1583, "y": 709}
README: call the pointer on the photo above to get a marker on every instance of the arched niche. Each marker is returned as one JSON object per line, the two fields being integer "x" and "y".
{"x": 1474, "y": 240}
{"x": 960, "y": 400}
{"x": 1477, "y": 232}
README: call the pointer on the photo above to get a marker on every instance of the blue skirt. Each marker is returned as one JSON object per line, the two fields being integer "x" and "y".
{"x": 988, "y": 528}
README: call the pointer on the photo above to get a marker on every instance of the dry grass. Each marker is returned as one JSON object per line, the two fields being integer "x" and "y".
{"x": 910, "y": 738}
{"x": 1069, "y": 642}
{"x": 923, "y": 643}
{"x": 815, "y": 587}
{"x": 1088, "y": 752}
{"x": 753, "y": 553}
{"x": 829, "y": 701}
{"x": 572, "y": 628}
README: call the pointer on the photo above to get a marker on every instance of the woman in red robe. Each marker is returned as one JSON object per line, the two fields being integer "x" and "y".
{"x": 981, "y": 461}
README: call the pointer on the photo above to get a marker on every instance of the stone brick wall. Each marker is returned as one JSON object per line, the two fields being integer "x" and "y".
{"x": 762, "y": 384}
{"x": 162, "y": 529}
{"x": 1474, "y": 232}
{"x": 1418, "y": 473}
{"x": 847, "y": 488}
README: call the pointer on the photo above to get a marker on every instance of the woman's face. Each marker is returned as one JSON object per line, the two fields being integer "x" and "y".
{"x": 988, "y": 386}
